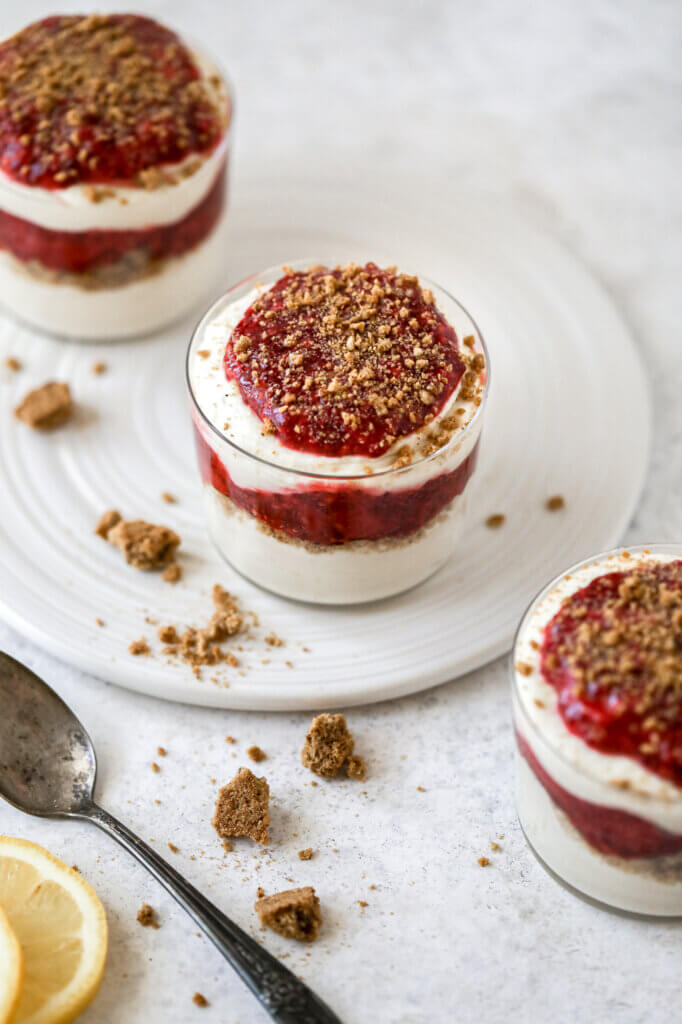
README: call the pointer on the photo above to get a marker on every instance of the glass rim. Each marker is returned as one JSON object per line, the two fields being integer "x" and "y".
{"x": 659, "y": 548}
{"x": 298, "y": 265}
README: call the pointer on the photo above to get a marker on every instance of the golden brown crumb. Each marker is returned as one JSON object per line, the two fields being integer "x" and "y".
{"x": 273, "y": 640}
{"x": 12, "y": 364}
{"x": 524, "y": 669}
{"x": 46, "y": 407}
{"x": 139, "y": 647}
{"x": 146, "y": 915}
{"x": 168, "y": 498}
{"x": 199, "y": 1000}
{"x": 168, "y": 635}
{"x": 230, "y": 739}
{"x": 143, "y": 545}
{"x": 99, "y": 368}
{"x": 260, "y": 892}
{"x": 356, "y": 768}
{"x": 420, "y": 789}
{"x": 494, "y": 845}
{"x": 161, "y": 751}
{"x": 100, "y": 622}
{"x": 256, "y": 754}
{"x": 155, "y": 767}
{"x": 555, "y": 503}
{"x": 172, "y": 574}
{"x": 483, "y": 861}
{"x": 227, "y": 846}
{"x": 107, "y": 522}
{"x": 173, "y": 848}
{"x": 495, "y": 522}
{"x": 306, "y": 854}
{"x": 295, "y": 914}
{"x": 242, "y": 808}
{"x": 328, "y": 745}
{"x": 363, "y": 903}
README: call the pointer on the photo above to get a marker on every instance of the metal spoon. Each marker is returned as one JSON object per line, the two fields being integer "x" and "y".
{"x": 48, "y": 768}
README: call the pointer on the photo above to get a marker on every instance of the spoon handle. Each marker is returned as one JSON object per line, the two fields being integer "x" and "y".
{"x": 286, "y": 999}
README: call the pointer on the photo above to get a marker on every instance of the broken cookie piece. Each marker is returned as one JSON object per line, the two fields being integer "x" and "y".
{"x": 242, "y": 808}
{"x": 146, "y": 916}
{"x": 295, "y": 914}
{"x": 328, "y": 745}
{"x": 144, "y": 545}
{"x": 46, "y": 407}
{"x": 172, "y": 574}
{"x": 355, "y": 768}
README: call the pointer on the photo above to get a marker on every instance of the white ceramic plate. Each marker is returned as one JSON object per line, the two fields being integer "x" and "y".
{"x": 568, "y": 413}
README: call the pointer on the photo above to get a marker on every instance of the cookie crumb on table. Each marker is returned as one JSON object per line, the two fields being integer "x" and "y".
{"x": 483, "y": 861}
{"x": 199, "y": 1000}
{"x": 242, "y": 807}
{"x": 155, "y": 767}
{"x": 555, "y": 503}
{"x": 12, "y": 363}
{"x": 99, "y": 368}
{"x": 306, "y": 854}
{"x": 168, "y": 498}
{"x": 138, "y": 647}
{"x": 273, "y": 640}
{"x": 161, "y": 751}
{"x": 230, "y": 739}
{"x": 46, "y": 407}
{"x": 355, "y": 768}
{"x": 146, "y": 916}
{"x": 328, "y": 745}
{"x": 295, "y": 914}
{"x": 173, "y": 848}
{"x": 256, "y": 754}
{"x": 495, "y": 522}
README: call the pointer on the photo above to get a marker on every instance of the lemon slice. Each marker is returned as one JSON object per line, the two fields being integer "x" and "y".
{"x": 11, "y": 970}
{"x": 61, "y": 928}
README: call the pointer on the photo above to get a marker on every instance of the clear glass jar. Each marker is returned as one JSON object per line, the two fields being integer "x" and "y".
{"x": 96, "y": 262}
{"x": 601, "y": 822}
{"x": 332, "y": 537}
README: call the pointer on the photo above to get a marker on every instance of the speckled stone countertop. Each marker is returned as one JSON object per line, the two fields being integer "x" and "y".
{"x": 569, "y": 113}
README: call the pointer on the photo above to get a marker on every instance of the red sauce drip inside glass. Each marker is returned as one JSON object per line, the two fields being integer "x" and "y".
{"x": 607, "y": 829}
{"x": 80, "y": 251}
{"x": 607, "y": 717}
{"x": 315, "y": 422}
{"x": 97, "y": 149}
{"x": 337, "y": 513}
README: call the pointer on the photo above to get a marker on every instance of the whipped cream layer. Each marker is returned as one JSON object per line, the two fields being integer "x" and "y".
{"x": 221, "y": 403}
{"x": 122, "y": 207}
{"x": 608, "y": 780}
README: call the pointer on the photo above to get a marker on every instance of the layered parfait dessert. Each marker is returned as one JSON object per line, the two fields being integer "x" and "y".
{"x": 598, "y": 718}
{"x": 337, "y": 413}
{"x": 114, "y": 139}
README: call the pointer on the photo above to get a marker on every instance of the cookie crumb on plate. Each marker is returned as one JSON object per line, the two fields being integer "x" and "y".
{"x": 46, "y": 407}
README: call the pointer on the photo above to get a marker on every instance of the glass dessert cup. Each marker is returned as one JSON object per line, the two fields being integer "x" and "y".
{"x": 600, "y": 822}
{"x": 119, "y": 258}
{"x": 334, "y": 537}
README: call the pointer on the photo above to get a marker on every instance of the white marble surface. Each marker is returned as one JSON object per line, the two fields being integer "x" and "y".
{"x": 571, "y": 114}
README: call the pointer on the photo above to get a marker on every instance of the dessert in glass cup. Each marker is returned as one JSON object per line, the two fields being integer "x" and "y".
{"x": 114, "y": 139}
{"x": 597, "y": 698}
{"x": 337, "y": 414}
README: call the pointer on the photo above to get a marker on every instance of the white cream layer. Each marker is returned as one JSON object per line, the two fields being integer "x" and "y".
{"x": 581, "y": 769}
{"x": 121, "y": 207}
{"x": 220, "y": 401}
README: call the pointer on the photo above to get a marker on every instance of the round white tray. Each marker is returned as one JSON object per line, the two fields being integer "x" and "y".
{"x": 568, "y": 413}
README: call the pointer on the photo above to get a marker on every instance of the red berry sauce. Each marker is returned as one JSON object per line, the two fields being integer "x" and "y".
{"x": 613, "y": 653}
{"x": 607, "y": 829}
{"x": 336, "y": 513}
{"x": 344, "y": 361}
{"x": 100, "y": 99}
{"x": 78, "y": 252}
